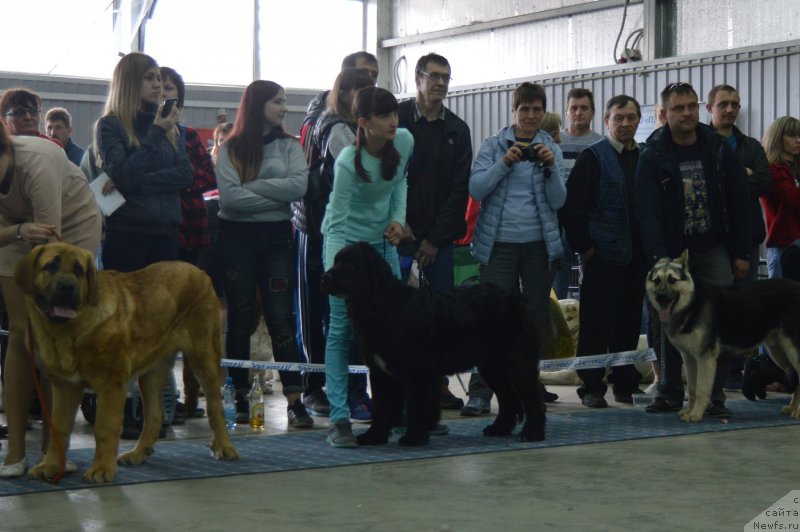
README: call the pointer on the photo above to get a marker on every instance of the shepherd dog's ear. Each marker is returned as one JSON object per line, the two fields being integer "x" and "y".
{"x": 92, "y": 283}
{"x": 26, "y": 270}
{"x": 683, "y": 260}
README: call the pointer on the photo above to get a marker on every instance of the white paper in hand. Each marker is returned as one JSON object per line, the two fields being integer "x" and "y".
{"x": 108, "y": 203}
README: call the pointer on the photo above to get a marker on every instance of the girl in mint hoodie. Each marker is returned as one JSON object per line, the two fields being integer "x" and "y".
{"x": 368, "y": 203}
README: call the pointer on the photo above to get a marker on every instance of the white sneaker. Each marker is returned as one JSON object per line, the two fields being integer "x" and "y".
{"x": 14, "y": 470}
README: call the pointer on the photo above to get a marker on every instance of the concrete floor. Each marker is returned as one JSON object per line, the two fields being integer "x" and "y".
{"x": 700, "y": 482}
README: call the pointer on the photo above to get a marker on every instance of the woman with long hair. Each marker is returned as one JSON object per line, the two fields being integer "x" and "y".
{"x": 334, "y": 131}
{"x": 782, "y": 203}
{"x": 368, "y": 203}
{"x": 137, "y": 147}
{"x": 261, "y": 169}
{"x": 42, "y": 197}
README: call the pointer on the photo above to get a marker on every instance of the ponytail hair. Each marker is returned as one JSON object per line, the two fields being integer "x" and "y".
{"x": 372, "y": 101}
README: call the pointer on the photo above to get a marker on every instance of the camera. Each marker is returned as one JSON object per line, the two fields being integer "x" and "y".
{"x": 529, "y": 153}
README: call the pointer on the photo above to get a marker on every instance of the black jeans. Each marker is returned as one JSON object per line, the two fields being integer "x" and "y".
{"x": 127, "y": 252}
{"x": 610, "y": 318}
{"x": 259, "y": 255}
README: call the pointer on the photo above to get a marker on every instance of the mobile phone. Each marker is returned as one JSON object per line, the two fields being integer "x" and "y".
{"x": 169, "y": 103}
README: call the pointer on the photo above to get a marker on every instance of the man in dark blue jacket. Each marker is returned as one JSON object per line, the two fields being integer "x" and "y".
{"x": 691, "y": 193}
{"x": 599, "y": 219}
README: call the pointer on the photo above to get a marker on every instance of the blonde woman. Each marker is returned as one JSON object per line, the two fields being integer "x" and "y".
{"x": 220, "y": 133}
{"x": 551, "y": 124}
{"x": 137, "y": 147}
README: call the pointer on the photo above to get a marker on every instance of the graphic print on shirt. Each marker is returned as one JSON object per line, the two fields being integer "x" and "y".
{"x": 695, "y": 198}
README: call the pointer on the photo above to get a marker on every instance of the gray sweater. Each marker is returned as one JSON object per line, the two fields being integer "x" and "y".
{"x": 282, "y": 179}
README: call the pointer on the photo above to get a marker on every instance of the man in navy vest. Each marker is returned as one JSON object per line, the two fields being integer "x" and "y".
{"x": 600, "y": 224}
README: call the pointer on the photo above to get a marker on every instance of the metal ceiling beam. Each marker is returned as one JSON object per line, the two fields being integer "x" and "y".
{"x": 579, "y": 9}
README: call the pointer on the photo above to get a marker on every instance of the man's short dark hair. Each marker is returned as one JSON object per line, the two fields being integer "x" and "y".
{"x": 351, "y": 60}
{"x": 712, "y": 94}
{"x": 679, "y": 87}
{"x": 580, "y": 92}
{"x": 431, "y": 57}
{"x": 177, "y": 79}
{"x": 59, "y": 113}
{"x": 528, "y": 92}
{"x": 621, "y": 100}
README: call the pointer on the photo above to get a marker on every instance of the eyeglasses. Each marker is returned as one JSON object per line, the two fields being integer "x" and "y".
{"x": 437, "y": 76}
{"x": 20, "y": 113}
{"x": 672, "y": 87}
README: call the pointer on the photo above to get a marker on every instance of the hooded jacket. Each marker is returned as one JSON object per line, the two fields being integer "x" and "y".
{"x": 488, "y": 184}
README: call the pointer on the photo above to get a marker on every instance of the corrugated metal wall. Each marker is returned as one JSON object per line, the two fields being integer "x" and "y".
{"x": 85, "y": 99}
{"x": 768, "y": 79}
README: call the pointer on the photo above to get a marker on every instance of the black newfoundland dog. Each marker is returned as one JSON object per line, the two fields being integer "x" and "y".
{"x": 410, "y": 339}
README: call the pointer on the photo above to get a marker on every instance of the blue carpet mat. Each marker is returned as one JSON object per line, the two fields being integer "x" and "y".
{"x": 187, "y": 459}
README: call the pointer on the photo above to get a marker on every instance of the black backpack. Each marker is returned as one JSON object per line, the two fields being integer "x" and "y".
{"x": 310, "y": 211}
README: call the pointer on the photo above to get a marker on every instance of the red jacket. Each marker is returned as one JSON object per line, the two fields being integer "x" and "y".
{"x": 782, "y": 207}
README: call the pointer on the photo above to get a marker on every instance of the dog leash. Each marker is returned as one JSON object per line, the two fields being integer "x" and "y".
{"x": 47, "y": 418}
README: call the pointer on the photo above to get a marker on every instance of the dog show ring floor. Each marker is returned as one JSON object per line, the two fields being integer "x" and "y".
{"x": 618, "y": 468}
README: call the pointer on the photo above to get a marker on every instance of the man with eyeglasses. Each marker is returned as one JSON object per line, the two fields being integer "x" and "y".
{"x": 599, "y": 219}
{"x": 437, "y": 182}
{"x": 691, "y": 194}
{"x": 20, "y": 110}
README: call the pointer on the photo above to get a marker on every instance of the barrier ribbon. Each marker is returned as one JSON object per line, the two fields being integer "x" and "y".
{"x": 587, "y": 362}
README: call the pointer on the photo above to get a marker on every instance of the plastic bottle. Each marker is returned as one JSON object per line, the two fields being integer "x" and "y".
{"x": 256, "y": 399}
{"x": 229, "y": 403}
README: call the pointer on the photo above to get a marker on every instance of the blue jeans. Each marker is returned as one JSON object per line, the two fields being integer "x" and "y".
{"x": 340, "y": 341}
{"x": 509, "y": 266}
{"x": 439, "y": 276}
{"x": 564, "y": 272}
{"x": 259, "y": 256}
{"x": 774, "y": 261}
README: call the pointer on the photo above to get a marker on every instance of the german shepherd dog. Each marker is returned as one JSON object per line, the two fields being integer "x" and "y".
{"x": 410, "y": 338}
{"x": 702, "y": 321}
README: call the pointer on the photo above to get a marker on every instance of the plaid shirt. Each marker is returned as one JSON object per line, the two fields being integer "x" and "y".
{"x": 194, "y": 217}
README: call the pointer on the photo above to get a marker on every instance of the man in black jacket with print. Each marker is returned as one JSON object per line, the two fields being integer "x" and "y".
{"x": 691, "y": 193}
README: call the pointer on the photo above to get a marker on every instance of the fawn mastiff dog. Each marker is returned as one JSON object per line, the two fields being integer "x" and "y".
{"x": 98, "y": 329}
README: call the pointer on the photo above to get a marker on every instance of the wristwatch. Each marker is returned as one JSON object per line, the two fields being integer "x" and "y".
{"x": 19, "y": 228}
